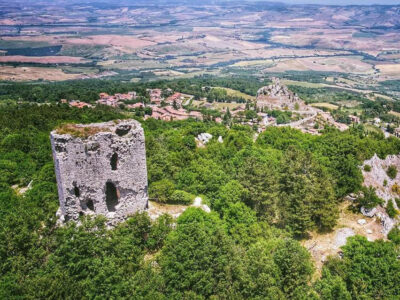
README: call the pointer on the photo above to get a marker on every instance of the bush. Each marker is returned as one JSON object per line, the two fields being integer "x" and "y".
{"x": 162, "y": 190}
{"x": 391, "y": 210}
{"x": 394, "y": 235}
{"x": 367, "y": 168}
{"x": 181, "y": 197}
{"x": 392, "y": 172}
{"x": 385, "y": 182}
{"x": 397, "y": 201}
{"x": 369, "y": 199}
{"x": 396, "y": 189}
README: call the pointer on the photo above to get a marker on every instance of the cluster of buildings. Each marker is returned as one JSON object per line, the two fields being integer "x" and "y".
{"x": 168, "y": 113}
{"x": 105, "y": 99}
{"x": 76, "y": 103}
{"x": 167, "y": 109}
{"x": 115, "y": 100}
{"x": 175, "y": 99}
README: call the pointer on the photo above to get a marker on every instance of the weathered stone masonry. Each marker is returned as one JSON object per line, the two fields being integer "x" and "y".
{"x": 103, "y": 173}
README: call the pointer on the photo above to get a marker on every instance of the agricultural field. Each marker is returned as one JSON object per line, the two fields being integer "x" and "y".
{"x": 235, "y": 93}
{"x": 325, "y": 105}
{"x": 144, "y": 41}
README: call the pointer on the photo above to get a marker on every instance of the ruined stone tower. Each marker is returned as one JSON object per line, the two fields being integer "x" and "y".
{"x": 100, "y": 169}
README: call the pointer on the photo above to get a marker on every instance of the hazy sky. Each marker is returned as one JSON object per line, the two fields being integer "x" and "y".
{"x": 342, "y": 2}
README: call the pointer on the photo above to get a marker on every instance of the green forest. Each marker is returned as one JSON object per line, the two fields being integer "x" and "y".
{"x": 88, "y": 90}
{"x": 265, "y": 196}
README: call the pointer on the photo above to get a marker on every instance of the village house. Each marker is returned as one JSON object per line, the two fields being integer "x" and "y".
{"x": 109, "y": 101}
{"x": 136, "y": 105}
{"x": 355, "y": 119}
{"x": 115, "y": 100}
{"x": 79, "y": 104}
{"x": 155, "y": 96}
{"x": 397, "y": 132}
{"x": 168, "y": 113}
{"x": 175, "y": 98}
{"x": 377, "y": 121}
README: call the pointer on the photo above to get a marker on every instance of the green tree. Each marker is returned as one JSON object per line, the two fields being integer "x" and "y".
{"x": 199, "y": 257}
{"x": 162, "y": 190}
{"x": 307, "y": 197}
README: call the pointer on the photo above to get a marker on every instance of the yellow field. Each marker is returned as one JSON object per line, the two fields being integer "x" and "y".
{"x": 235, "y": 93}
{"x": 217, "y": 105}
{"x": 221, "y": 105}
{"x": 325, "y": 105}
{"x": 390, "y": 69}
{"x": 394, "y": 113}
{"x": 248, "y": 63}
{"x": 34, "y": 73}
{"x": 304, "y": 84}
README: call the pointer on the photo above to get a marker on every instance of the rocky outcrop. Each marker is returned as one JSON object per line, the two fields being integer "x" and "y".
{"x": 278, "y": 96}
{"x": 100, "y": 170}
{"x": 375, "y": 175}
{"x": 278, "y": 90}
{"x": 380, "y": 213}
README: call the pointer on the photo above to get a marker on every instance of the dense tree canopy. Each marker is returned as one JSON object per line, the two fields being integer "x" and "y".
{"x": 264, "y": 196}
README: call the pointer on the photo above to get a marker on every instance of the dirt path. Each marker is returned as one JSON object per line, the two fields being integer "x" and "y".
{"x": 321, "y": 246}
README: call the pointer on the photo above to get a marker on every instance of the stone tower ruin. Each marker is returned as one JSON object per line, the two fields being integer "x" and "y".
{"x": 100, "y": 170}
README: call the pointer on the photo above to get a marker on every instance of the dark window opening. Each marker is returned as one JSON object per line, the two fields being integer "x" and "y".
{"x": 114, "y": 161}
{"x": 111, "y": 196}
{"x": 122, "y": 130}
{"x": 76, "y": 191}
{"x": 90, "y": 205}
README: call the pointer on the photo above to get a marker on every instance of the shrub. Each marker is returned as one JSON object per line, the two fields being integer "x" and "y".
{"x": 396, "y": 189}
{"x": 391, "y": 211}
{"x": 181, "y": 197}
{"x": 367, "y": 168}
{"x": 369, "y": 199}
{"x": 385, "y": 182}
{"x": 394, "y": 235}
{"x": 162, "y": 190}
{"x": 397, "y": 201}
{"x": 392, "y": 172}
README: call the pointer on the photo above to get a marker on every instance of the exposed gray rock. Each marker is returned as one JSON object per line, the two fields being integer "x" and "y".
{"x": 370, "y": 213}
{"x": 342, "y": 235}
{"x": 103, "y": 173}
{"x": 204, "y": 137}
{"x": 361, "y": 222}
{"x": 276, "y": 89}
{"x": 380, "y": 213}
{"x": 386, "y": 221}
{"x": 377, "y": 176}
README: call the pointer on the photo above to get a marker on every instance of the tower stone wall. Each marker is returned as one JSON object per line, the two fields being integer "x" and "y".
{"x": 100, "y": 170}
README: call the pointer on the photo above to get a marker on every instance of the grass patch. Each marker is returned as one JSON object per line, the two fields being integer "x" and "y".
{"x": 325, "y": 105}
{"x": 79, "y": 131}
{"x": 236, "y": 93}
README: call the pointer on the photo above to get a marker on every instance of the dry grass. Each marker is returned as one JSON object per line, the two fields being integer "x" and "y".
{"x": 43, "y": 59}
{"x": 390, "y": 69}
{"x": 325, "y": 105}
{"x": 304, "y": 84}
{"x": 322, "y": 245}
{"x": 222, "y": 105}
{"x": 34, "y": 73}
{"x": 236, "y": 93}
{"x": 394, "y": 113}
{"x": 249, "y": 63}
{"x": 339, "y": 64}
{"x": 79, "y": 131}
